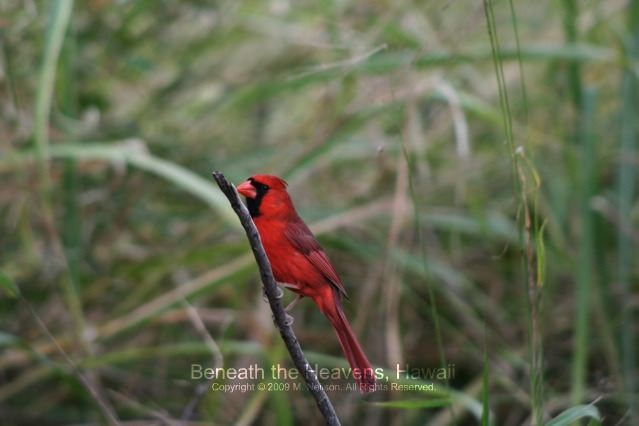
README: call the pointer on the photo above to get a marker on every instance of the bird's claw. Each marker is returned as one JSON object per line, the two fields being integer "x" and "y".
{"x": 279, "y": 295}
{"x": 288, "y": 321}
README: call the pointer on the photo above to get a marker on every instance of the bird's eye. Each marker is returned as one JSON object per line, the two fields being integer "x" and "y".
{"x": 264, "y": 187}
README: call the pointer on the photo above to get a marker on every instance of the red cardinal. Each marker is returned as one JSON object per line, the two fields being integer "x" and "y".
{"x": 299, "y": 263}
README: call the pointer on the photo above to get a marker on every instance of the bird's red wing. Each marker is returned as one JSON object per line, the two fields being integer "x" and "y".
{"x": 304, "y": 241}
{"x": 319, "y": 259}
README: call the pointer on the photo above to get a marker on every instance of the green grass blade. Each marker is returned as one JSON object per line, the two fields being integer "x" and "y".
{"x": 586, "y": 246}
{"x": 194, "y": 184}
{"x": 9, "y": 284}
{"x": 60, "y": 17}
{"x": 527, "y": 223}
{"x": 485, "y": 413}
{"x": 575, "y": 413}
{"x": 434, "y": 314}
{"x": 414, "y": 404}
{"x": 571, "y": 15}
{"x": 626, "y": 188}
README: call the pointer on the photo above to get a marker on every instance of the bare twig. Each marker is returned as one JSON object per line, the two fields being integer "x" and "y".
{"x": 218, "y": 359}
{"x": 218, "y": 362}
{"x": 273, "y": 294}
{"x": 108, "y": 412}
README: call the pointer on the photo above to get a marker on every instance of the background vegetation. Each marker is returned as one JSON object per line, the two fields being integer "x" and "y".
{"x": 469, "y": 167}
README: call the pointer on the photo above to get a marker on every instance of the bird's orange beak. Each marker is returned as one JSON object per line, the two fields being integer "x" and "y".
{"x": 247, "y": 189}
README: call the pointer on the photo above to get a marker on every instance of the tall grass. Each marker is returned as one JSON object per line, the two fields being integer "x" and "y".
{"x": 59, "y": 17}
{"x": 626, "y": 184}
{"x": 586, "y": 262}
{"x": 458, "y": 163}
{"x": 526, "y": 202}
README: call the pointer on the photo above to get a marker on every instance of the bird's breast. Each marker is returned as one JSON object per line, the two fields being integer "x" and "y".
{"x": 289, "y": 265}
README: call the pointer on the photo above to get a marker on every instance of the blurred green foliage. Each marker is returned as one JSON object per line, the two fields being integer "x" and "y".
{"x": 427, "y": 157}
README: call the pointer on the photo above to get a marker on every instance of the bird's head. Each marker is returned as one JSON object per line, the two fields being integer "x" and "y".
{"x": 266, "y": 196}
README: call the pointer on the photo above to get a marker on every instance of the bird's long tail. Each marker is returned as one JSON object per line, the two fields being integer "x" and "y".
{"x": 360, "y": 366}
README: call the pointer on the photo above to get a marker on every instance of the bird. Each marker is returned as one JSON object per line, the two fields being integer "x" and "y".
{"x": 300, "y": 264}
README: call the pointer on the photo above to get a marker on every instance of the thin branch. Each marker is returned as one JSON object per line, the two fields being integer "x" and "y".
{"x": 108, "y": 412}
{"x": 217, "y": 357}
{"x": 273, "y": 294}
